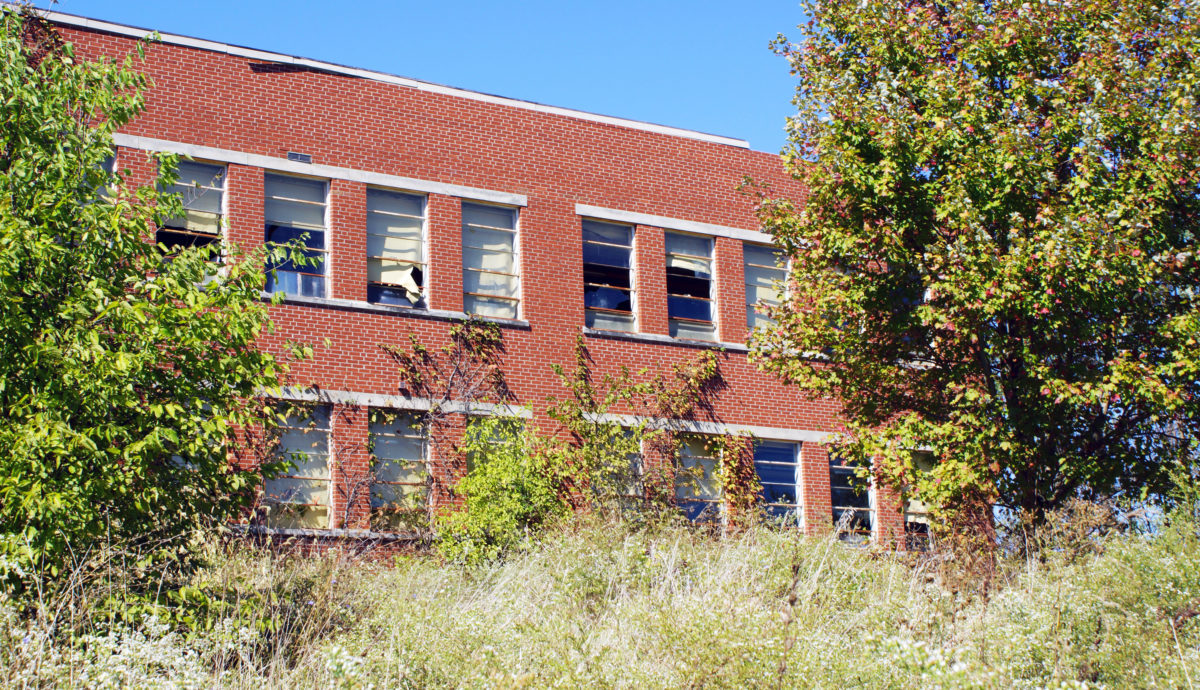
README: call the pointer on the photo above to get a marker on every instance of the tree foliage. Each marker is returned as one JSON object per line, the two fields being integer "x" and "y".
{"x": 124, "y": 373}
{"x": 996, "y": 262}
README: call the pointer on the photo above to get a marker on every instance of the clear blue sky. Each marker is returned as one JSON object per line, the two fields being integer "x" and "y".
{"x": 700, "y": 65}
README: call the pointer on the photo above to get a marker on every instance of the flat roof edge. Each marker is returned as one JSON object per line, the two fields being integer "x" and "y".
{"x": 241, "y": 51}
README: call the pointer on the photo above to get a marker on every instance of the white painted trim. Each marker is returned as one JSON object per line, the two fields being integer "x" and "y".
{"x": 600, "y": 213}
{"x": 664, "y": 339}
{"x": 317, "y": 170}
{"x": 398, "y": 402}
{"x": 414, "y": 312}
{"x": 215, "y": 46}
{"x": 766, "y": 433}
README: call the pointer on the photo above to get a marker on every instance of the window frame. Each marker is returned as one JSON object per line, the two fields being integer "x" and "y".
{"x": 325, "y": 250}
{"x": 219, "y": 237}
{"x": 519, "y": 300}
{"x": 289, "y": 512}
{"x": 796, "y": 509}
{"x": 751, "y": 306}
{"x": 423, "y": 302}
{"x": 631, "y": 269}
{"x": 857, "y": 536}
{"x": 712, "y": 291}
{"x": 686, "y": 503}
{"x": 382, "y": 515}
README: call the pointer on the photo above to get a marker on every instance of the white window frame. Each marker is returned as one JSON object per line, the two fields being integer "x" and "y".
{"x": 635, "y": 322}
{"x": 714, "y": 307}
{"x": 376, "y": 514}
{"x": 519, "y": 311}
{"x": 219, "y": 238}
{"x": 871, "y": 510}
{"x": 692, "y": 497}
{"x": 271, "y": 501}
{"x": 797, "y": 508}
{"x": 327, "y": 276}
{"x": 786, "y": 269}
{"x": 423, "y": 302}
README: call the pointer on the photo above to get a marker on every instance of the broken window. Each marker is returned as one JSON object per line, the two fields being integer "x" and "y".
{"x": 294, "y": 209}
{"x": 299, "y": 497}
{"x": 608, "y": 276}
{"x": 400, "y": 488}
{"x": 851, "y": 498}
{"x": 697, "y": 489}
{"x": 491, "y": 284}
{"x": 764, "y": 272}
{"x": 395, "y": 255}
{"x": 778, "y": 467}
{"x": 201, "y": 187}
{"x": 689, "y": 286}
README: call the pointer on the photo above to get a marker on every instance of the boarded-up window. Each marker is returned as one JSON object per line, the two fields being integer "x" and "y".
{"x": 300, "y": 496}
{"x": 294, "y": 209}
{"x": 608, "y": 275}
{"x": 201, "y": 187}
{"x": 765, "y": 273}
{"x": 395, "y": 251}
{"x": 491, "y": 284}
{"x": 689, "y": 286}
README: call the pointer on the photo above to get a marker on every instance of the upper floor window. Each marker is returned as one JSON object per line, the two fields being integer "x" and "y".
{"x": 299, "y": 497}
{"x": 850, "y": 496}
{"x": 608, "y": 275}
{"x": 294, "y": 209}
{"x": 491, "y": 286}
{"x": 778, "y": 467}
{"x": 765, "y": 272}
{"x": 395, "y": 252}
{"x": 400, "y": 487}
{"x": 689, "y": 286}
{"x": 201, "y": 186}
{"x": 697, "y": 489}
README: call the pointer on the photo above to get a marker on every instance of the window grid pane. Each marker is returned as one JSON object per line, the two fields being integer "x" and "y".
{"x": 689, "y": 287}
{"x": 696, "y": 489}
{"x": 201, "y": 188}
{"x": 778, "y": 467}
{"x": 400, "y": 485}
{"x": 607, "y": 276}
{"x": 300, "y": 496}
{"x": 295, "y": 207}
{"x": 764, "y": 272}
{"x": 850, "y": 497}
{"x": 395, "y": 248}
{"x": 491, "y": 281}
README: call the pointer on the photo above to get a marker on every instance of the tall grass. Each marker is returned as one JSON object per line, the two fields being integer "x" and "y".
{"x": 601, "y": 605}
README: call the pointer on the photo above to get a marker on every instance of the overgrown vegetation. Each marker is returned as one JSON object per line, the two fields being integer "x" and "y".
{"x": 126, "y": 367}
{"x": 996, "y": 257}
{"x": 597, "y": 604}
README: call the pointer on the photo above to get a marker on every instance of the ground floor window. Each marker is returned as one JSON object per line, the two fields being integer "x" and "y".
{"x": 697, "y": 491}
{"x": 399, "y": 470}
{"x": 299, "y": 497}
{"x": 852, "y": 499}
{"x": 916, "y": 513}
{"x": 778, "y": 467}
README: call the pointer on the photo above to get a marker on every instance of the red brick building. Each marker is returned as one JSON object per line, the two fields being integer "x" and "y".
{"x": 423, "y": 204}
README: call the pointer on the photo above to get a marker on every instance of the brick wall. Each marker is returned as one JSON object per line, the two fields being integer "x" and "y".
{"x": 213, "y": 99}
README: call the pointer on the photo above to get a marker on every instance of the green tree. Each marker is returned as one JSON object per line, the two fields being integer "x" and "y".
{"x": 996, "y": 261}
{"x": 124, "y": 374}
